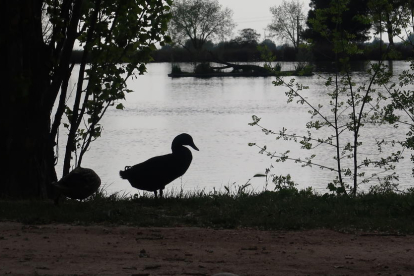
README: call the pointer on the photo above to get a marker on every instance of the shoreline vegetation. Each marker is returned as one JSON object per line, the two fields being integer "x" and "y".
{"x": 308, "y": 60}
{"x": 205, "y": 70}
{"x": 383, "y": 213}
{"x": 235, "y": 74}
{"x": 252, "y": 53}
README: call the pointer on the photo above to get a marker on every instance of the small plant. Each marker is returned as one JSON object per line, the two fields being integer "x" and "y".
{"x": 284, "y": 183}
{"x": 268, "y": 57}
{"x": 351, "y": 106}
{"x": 239, "y": 190}
{"x": 203, "y": 68}
{"x": 303, "y": 69}
{"x": 277, "y": 67}
{"x": 176, "y": 69}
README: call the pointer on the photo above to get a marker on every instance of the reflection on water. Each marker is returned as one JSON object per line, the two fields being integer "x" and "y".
{"x": 216, "y": 113}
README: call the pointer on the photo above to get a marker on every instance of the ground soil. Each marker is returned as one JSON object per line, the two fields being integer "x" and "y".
{"x": 121, "y": 250}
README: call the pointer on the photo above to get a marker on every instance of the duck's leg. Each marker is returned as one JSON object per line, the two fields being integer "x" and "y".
{"x": 155, "y": 193}
{"x": 160, "y": 193}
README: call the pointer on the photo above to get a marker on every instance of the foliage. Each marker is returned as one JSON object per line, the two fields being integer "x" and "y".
{"x": 189, "y": 45}
{"x": 230, "y": 51}
{"x": 199, "y": 21}
{"x": 117, "y": 39}
{"x": 287, "y": 23}
{"x": 303, "y": 69}
{"x": 323, "y": 17}
{"x": 352, "y": 105}
{"x": 400, "y": 110}
{"x": 203, "y": 68}
{"x": 268, "y": 57}
{"x": 402, "y": 96}
{"x": 247, "y": 37}
{"x": 277, "y": 67}
{"x": 284, "y": 183}
{"x": 388, "y": 213}
{"x": 269, "y": 44}
{"x": 176, "y": 69}
{"x": 390, "y": 16}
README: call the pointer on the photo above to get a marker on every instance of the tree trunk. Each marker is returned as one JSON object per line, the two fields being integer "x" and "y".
{"x": 390, "y": 30}
{"x": 26, "y": 144}
{"x": 297, "y": 34}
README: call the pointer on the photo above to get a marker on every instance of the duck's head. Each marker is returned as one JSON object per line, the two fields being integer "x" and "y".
{"x": 183, "y": 139}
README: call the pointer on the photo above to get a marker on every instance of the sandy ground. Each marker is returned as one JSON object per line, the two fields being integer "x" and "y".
{"x": 98, "y": 250}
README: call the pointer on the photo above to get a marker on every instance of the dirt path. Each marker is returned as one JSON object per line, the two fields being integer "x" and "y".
{"x": 97, "y": 250}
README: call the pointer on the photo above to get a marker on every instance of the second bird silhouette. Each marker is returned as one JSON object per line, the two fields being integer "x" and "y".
{"x": 153, "y": 174}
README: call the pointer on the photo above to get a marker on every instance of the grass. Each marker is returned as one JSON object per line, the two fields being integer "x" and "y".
{"x": 287, "y": 209}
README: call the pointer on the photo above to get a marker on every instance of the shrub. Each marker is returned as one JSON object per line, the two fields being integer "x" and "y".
{"x": 203, "y": 68}
{"x": 176, "y": 69}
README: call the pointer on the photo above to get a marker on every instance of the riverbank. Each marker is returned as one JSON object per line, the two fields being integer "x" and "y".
{"x": 287, "y": 209}
{"x": 57, "y": 249}
{"x": 239, "y": 74}
{"x": 287, "y": 232}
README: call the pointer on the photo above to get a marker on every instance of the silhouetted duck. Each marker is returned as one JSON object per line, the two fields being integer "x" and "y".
{"x": 78, "y": 184}
{"x": 155, "y": 173}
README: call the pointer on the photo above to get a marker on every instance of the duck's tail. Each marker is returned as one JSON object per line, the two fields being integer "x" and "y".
{"x": 124, "y": 174}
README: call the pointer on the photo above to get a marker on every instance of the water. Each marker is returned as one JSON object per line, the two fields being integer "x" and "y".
{"x": 216, "y": 112}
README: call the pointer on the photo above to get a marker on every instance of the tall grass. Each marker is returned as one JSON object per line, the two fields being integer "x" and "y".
{"x": 286, "y": 209}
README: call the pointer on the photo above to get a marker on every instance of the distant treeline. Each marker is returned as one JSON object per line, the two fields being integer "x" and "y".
{"x": 227, "y": 51}
{"x": 223, "y": 51}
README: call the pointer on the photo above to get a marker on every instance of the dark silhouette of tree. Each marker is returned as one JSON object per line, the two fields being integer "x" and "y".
{"x": 390, "y": 16}
{"x": 37, "y": 40}
{"x": 247, "y": 36}
{"x": 269, "y": 44}
{"x": 353, "y": 23}
{"x": 199, "y": 21}
{"x": 208, "y": 45}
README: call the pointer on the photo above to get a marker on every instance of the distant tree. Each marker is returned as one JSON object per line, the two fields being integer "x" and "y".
{"x": 355, "y": 103}
{"x": 353, "y": 23}
{"x": 390, "y": 16}
{"x": 410, "y": 38}
{"x": 269, "y": 44}
{"x": 288, "y": 22}
{"x": 247, "y": 37}
{"x": 36, "y": 43}
{"x": 208, "y": 45}
{"x": 199, "y": 21}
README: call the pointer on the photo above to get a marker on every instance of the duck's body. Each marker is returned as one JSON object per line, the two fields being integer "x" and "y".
{"x": 78, "y": 184}
{"x": 153, "y": 174}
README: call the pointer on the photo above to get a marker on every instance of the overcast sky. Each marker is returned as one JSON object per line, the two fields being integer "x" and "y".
{"x": 253, "y": 14}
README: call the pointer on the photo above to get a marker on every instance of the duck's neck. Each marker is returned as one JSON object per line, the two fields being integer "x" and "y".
{"x": 177, "y": 147}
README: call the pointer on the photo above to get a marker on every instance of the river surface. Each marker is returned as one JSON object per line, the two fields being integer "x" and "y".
{"x": 216, "y": 113}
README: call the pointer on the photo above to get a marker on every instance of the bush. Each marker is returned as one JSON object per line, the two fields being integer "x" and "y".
{"x": 304, "y": 69}
{"x": 176, "y": 69}
{"x": 203, "y": 68}
{"x": 277, "y": 67}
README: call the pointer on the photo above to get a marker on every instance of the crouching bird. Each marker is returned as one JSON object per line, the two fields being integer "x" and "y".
{"x": 153, "y": 174}
{"x": 78, "y": 184}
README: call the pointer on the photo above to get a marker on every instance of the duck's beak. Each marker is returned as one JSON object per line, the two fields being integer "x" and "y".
{"x": 193, "y": 146}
